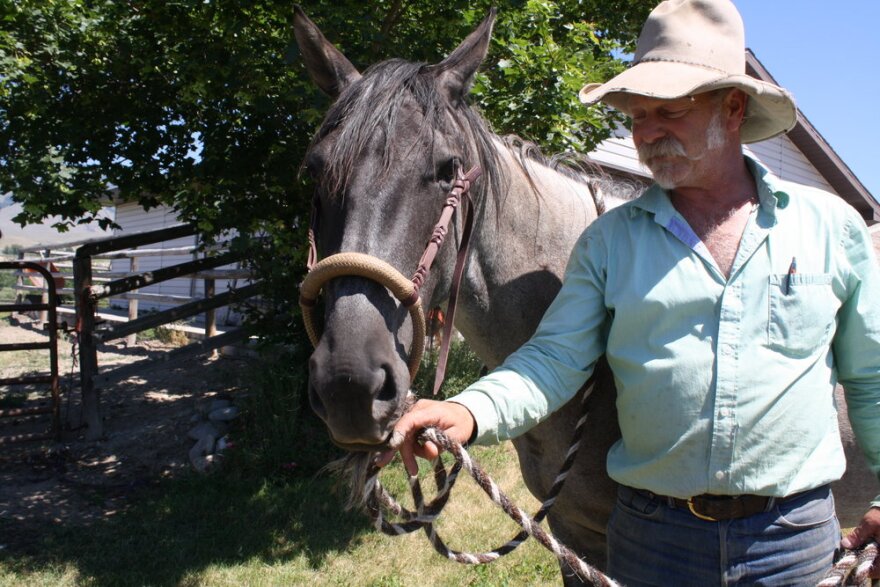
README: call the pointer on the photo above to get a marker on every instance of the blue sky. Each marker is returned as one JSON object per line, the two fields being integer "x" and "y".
{"x": 826, "y": 54}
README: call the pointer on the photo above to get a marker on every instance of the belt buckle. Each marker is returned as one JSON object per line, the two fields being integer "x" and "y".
{"x": 694, "y": 511}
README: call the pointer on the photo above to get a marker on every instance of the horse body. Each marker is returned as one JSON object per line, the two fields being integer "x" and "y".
{"x": 383, "y": 161}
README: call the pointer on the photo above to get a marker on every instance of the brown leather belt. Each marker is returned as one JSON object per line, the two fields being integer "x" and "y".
{"x": 714, "y": 508}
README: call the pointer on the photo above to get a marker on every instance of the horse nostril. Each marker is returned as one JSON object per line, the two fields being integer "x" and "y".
{"x": 388, "y": 391}
{"x": 317, "y": 404}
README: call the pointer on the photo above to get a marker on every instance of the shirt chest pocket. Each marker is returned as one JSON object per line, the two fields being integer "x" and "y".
{"x": 802, "y": 313}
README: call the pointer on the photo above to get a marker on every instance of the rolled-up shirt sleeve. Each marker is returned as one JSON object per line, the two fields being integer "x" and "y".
{"x": 857, "y": 341}
{"x": 554, "y": 364}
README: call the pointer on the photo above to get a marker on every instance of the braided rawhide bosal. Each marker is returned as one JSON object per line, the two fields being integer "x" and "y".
{"x": 362, "y": 265}
{"x": 378, "y": 501}
{"x": 852, "y": 568}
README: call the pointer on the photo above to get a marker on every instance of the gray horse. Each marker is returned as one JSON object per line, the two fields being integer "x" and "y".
{"x": 383, "y": 161}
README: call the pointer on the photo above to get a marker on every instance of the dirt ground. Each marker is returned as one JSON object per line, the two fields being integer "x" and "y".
{"x": 146, "y": 420}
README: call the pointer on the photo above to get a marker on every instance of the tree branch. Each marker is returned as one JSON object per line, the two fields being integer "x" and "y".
{"x": 391, "y": 19}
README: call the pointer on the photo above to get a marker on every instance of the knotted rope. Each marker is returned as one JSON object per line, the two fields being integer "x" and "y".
{"x": 378, "y": 502}
{"x": 852, "y": 568}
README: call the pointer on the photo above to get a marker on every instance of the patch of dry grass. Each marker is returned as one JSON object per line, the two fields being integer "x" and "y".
{"x": 293, "y": 534}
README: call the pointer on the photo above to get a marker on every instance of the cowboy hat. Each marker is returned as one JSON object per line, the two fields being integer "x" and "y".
{"x": 692, "y": 46}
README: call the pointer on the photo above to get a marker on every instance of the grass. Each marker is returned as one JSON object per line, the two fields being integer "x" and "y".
{"x": 165, "y": 334}
{"x": 260, "y": 521}
{"x": 222, "y": 530}
{"x": 23, "y": 363}
{"x": 7, "y": 283}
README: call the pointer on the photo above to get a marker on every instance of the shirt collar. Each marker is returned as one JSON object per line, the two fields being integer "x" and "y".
{"x": 771, "y": 195}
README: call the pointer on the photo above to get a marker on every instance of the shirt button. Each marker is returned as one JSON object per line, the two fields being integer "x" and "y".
{"x": 725, "y": 412}
{"x": 719, "y": 475}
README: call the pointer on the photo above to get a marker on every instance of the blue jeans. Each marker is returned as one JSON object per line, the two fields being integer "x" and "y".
{"x": 651, "y": 542}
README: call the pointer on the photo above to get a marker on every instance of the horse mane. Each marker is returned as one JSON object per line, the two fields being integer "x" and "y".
{"x": 375, "y": 102}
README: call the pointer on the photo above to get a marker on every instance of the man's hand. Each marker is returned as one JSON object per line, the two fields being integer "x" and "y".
{"x": 452, "y": 418}
{"x": 868, "y": 529}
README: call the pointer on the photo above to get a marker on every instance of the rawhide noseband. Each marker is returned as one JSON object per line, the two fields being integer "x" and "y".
{"x": 407, "y": 291}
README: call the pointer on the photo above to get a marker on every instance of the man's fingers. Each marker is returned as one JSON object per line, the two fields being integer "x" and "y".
{"x": 452, "y": 418}
{"x": 868, "y": 529}
{"x": 853, "y": 539}
{"x": 384, "y": 458}
{"x": 428, "y": 451}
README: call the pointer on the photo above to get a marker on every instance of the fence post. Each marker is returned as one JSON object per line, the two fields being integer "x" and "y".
{"x": 210, "y": 315}
{"x": 44, "y": 294}
{"x": 19, "y": 281}
{"x": 88, "y": 352}
{"x": 131, "y": 339}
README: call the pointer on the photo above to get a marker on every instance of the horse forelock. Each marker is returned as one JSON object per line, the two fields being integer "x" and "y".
{"x": 375, "y": 105}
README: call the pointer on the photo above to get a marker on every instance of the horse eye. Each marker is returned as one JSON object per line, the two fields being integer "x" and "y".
{"x": 446, "y": 173}
{"x": 314, "y": 165}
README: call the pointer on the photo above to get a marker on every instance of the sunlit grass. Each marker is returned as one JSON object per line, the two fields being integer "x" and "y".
{"x": 221, "y": 531}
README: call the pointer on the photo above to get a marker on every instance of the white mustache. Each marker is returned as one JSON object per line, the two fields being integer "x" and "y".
{"x": 665, "y": 147}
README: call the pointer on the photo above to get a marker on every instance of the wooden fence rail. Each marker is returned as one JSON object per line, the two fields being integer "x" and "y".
{"x": 94, "y": 280}
{"x": 52, "y": 378}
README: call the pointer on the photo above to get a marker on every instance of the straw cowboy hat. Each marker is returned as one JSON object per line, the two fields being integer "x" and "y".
{"x": 692, "y": 46}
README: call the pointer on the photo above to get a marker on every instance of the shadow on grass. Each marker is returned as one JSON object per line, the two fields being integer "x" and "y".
{"x": 184, "y": 526}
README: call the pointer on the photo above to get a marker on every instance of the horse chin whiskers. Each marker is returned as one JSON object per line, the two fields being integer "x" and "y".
{"x": 350, "y": 473}
{"x": 351, "y": 470}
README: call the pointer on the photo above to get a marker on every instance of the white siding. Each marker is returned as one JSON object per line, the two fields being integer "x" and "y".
{"x": 785, "y": 160}
{"x": 779, "y": 155}
{"x": 133, "y": 219}
{"x": 619, "y": 153}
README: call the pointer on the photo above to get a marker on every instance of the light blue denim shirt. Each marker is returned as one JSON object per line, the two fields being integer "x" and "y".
{"x": 724, "y": 385}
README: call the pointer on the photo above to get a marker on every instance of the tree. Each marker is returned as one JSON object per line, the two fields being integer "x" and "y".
{"x": 204, "y": 105}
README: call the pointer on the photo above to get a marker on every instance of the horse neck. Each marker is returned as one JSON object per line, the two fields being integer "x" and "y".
{"x": 521, "y": 245}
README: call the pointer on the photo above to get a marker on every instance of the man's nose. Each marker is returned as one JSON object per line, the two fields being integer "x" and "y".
{"x": 647, "y": 131}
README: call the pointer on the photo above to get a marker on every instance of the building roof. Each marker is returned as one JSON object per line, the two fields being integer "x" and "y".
{"x": 820, "y": 154}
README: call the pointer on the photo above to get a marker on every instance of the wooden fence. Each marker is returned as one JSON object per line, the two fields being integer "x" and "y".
{"x": 93, "y": 280}
{"x": 51, "y": 378}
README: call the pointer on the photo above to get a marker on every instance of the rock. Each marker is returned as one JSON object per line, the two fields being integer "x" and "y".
{"x": 202, "y": 429}
{"x": 219, "y": 404}
{"x": 200, "y": 464}
{"x": 224, "y": 414}
{"x": 204, "y": 446}
{"x": 200, "y": 451}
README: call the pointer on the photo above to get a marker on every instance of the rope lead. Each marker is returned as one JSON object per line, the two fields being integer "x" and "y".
{"x": 379, "y": 501}
{"x": 852, "y": 568}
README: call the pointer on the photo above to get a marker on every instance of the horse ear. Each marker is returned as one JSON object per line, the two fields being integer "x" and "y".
{"x": 327, "y": 66}
{"x": 455, "y": 74}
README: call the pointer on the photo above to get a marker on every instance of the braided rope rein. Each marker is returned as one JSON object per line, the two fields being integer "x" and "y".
{"x": 378, "y": 501}
{"x": 852, "y": 568}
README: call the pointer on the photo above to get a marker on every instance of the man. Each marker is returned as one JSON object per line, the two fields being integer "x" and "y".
{"x": 728, "y": 304}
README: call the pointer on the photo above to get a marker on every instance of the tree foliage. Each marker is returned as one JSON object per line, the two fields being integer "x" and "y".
{"x": 204, "y": 105}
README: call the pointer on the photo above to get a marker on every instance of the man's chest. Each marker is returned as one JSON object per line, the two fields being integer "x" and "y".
{"x": 721, "y": 236}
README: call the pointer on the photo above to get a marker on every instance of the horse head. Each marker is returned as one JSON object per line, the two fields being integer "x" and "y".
{"x": 383, "y": 162}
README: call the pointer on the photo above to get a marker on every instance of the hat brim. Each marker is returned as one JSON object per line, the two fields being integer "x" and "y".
{"x": 771, "y": 110}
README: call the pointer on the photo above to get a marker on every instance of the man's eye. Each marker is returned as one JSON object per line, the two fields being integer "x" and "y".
{"x": 676, "y": 113}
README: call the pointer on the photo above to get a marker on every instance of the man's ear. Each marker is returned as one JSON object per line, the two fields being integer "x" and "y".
{"x": 735, "y": 103}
